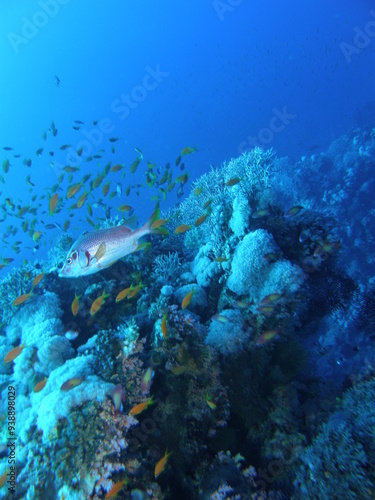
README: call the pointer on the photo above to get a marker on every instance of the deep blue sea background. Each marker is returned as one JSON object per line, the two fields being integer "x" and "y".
{"x": 224, "y": 72}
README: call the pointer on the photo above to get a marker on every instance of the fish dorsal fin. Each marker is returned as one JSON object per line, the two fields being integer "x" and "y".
{"x": 100, "y": 252}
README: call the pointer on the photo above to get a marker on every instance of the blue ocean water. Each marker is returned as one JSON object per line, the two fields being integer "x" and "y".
{"x": 246, "y": 131}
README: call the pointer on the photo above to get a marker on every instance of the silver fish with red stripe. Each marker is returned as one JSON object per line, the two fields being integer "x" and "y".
{"x": 98, "y": 250}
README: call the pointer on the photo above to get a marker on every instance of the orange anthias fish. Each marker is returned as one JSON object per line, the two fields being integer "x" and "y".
{"x": 38, "y": 279}
{"x": 21, "y": 299}
{"x": 267, "y": 336}
{"x": 71, "y": 383}
{"x": 137, "y": 409}
{"x": 182, "y": 228}
{"x": 53, "y": 203}
{"x": 75, "y": 305}
{"x": 116, "y": 488}
{"x": 98, "y": 250}
{"x": 40, "y": 385}
{"x": 160, "y": 466}
{"x": 187, "y": 299}
{"x": 13, "y": 353}
{"x": 123, "y": 294}
{"x": 164, "y": 328}
{"x": 97, "y": 304}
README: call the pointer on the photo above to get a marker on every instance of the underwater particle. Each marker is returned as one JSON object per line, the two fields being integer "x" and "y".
{"x": 98, "y": 303}
{"x": 56, "y": 80}
{"x": 13, "y": 353}
{"x": 139, "y": 408}
{"x": 71, "y": 383}
{"x": 21, "y": 299}
{"x": 187, "y": 299}
{"x": 160, "y": 466}
{"x": 40, "y": 385}
{"x": 75, "y": 304}
{"x": 116, "y": 488}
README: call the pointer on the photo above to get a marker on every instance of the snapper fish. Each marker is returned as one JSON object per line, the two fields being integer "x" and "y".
{"x": 99, "y": 249}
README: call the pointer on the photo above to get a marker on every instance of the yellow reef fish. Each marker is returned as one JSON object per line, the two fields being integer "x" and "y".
{"x": 40, "y": 385}
{"x": 3, "y": 479}
{"x": 66, "y": 225}
{"x": 293, "y": 211}
{"x": 22, "y": 298}
{"x": 98, "y": 303}
{"x": 13, "y": 353}
{"x": 159, "y": 223}
{"x": 38, "y": 279}
{"x": 36, "y": 236}
{"x": 164, "y": 328}
{"x": 99, "y": 249}
{"x": 259, "y": 214}
{"x": 75, "y": 305}
{"x": 221, "y": 259}
{"x": 53, "y": 203}
{"x": 137, "y": 409}
{"x": 198, "y": 190}
{"x": 233, "y": 181}
{"x": 71, "y": 383}
{"x": 81, "y": 200}
{"x": 124, "y": 208}
{"x": 272, "y": 297}
{"x": 134, "y": 290}
{"x": 188, "y": 150}
{"x": 72, "y": 190}
{"x": 182, "y": 228}
{"x": 134, "y": 165}
{"x": 106, "y": 188}
{"x": 267, "y": 336}
{"x": 187, "y": 299}
{"x": 200, "y": 220}
{"x": 116, "y": 168}
{"x": 160, "y": 466}
{"x": 116, "y": 488}
{"x": 123, "y": 294}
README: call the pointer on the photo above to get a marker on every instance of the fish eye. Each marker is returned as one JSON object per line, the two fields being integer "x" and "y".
{"x": 69, "y": 261}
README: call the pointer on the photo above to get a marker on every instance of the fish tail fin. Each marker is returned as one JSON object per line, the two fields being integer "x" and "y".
{"x": 151, "y": 220}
